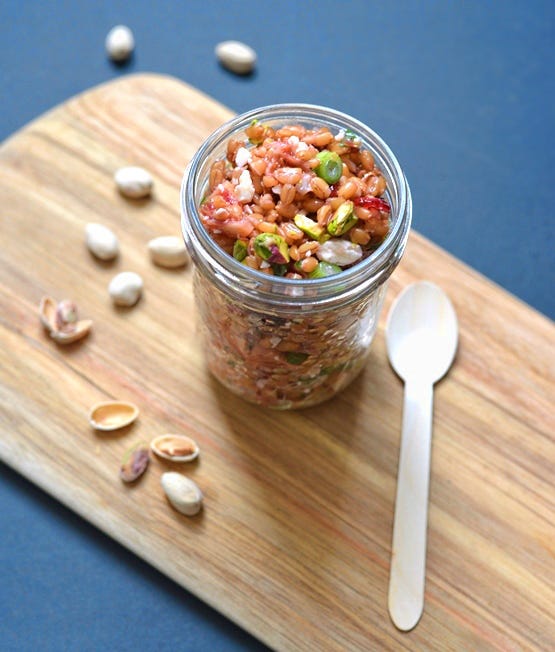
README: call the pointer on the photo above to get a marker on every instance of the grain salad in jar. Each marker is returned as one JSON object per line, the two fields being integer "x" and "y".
{"x": 295, "y": 217}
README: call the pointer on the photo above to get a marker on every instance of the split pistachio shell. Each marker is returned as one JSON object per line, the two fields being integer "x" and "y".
{"x": 81, "y": 328}
{"x": 111, "y": 415}
{"x": 236, "y": 56}
{"x": 47, "y": 312}
{"x": 125, "y": 288}
{"x": 184, "y": 495}
{"x": 101, "y": 241}
{"x": 168, "y": 251}
{"x": 177, "y": 448}
{"x": 119, "y": 43}
{"x": 60, "y": 320}
{"x": 134, "y": 182}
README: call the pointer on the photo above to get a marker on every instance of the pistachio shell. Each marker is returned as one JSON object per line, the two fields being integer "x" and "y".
{"x": 184, "y": 494}
{"x": 177, "y": 448}
{"x": 79, "y": 330}
{"x": 47, "y": 312}
{"x": 111, "y": 415}
{"x": 56, "y": 320}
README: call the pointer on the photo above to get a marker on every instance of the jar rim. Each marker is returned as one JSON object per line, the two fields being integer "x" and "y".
{"x": 366, "y": 274}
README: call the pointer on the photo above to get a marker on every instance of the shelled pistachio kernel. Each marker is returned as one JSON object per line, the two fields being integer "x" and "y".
{"x": 135, "y": 463}
{"x": 271, "y": 248}
{"x": 311, "y": 228}
{"x": 60, "y": 320}
{"x": 343, "y": 219}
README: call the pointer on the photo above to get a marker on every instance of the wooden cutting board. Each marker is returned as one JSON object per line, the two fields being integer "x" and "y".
{"x": 294, "y": 541}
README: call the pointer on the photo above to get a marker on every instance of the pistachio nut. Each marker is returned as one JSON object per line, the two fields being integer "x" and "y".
{"x": 135, "y": 463}
{"x": 183, "y": 494}
{"x": 310, "y": 227}
{"x": 66, "y": 315}
{"x": 240, "y": 250}
{"x": 271, "y": 248}
{"x": 343, "y": 219}
{"x": 61, "y": 322}
{"x": 330, "y": 167}
{"x": 324, "y": 269}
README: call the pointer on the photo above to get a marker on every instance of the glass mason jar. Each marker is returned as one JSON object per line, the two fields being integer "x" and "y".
{"x": 279, "y": 342}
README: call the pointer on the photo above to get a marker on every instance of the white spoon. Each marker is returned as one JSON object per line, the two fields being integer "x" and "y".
{"x": 422, "y": 337}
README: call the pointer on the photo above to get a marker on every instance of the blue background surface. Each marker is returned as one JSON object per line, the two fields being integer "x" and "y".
{"x": 463, "y": 93}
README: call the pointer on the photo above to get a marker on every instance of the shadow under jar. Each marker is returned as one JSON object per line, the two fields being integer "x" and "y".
{"x": 283, "y": 342}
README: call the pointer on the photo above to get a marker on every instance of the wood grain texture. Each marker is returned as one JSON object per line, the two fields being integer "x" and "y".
{"x": 294, "y": 542}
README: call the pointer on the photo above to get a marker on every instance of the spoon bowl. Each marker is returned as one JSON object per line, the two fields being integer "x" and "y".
{"x": 422, "y": 334}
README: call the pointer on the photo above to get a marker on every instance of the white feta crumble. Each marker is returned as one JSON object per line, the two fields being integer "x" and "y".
{"x": 341, "y": 136}
{"x": 304, "y": 184}
{"x": 301, "y": 147}
{"x": 339, "y": 252}
{"x": 244, "y": 190}
{"x": 293, "y": 140}
{"x": 242, "y": 157}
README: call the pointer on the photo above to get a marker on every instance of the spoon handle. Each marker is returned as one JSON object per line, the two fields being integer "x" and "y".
{"x": 408, "y": 563}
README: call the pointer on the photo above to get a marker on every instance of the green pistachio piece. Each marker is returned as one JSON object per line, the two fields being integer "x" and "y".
{"x": 331, "y": 166}
{"x": 310, "y": 227}
{"x": 258, "y": 141}
{"x": 271, "y": 247}
{"x": 279, "y": 270}
{"x": 240, "y": 250}
{"x": 343, "y": 219}
{"x": 324, "y": 269}
{"x": 351, "y": 138}
{"x": 295, "y": 357}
